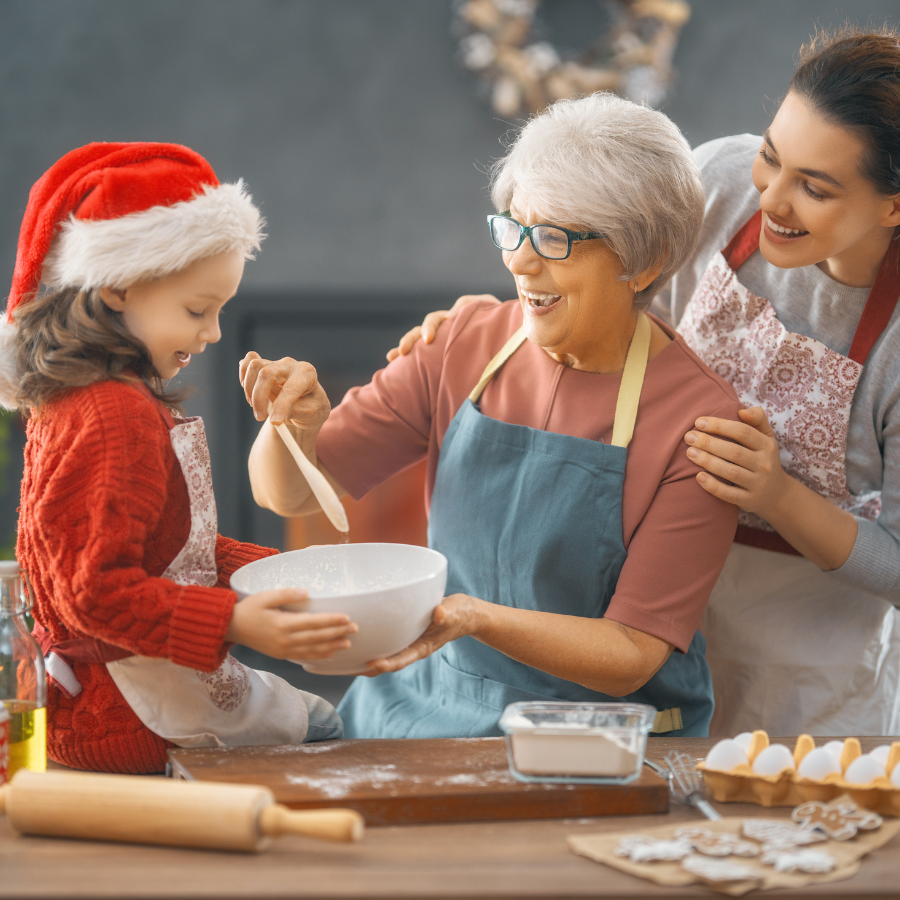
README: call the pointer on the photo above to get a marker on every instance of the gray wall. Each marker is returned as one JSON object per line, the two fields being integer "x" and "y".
{"x": 354, "y": 126}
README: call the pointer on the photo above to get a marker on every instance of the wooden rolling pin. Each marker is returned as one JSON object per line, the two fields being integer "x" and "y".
{"x": 161, "y": 811}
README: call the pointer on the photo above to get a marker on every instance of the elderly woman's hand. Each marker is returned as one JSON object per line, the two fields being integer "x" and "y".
{"x": 747, "y": 457}
{"x": 428, "y": 329}
{"x": 456, "y": 616}
{"x": 292, "y": 386}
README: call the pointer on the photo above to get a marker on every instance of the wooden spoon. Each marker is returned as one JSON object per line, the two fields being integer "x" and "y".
{"x": 318, "y": 483}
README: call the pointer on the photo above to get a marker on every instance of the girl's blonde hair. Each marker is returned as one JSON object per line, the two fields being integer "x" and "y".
{"x": 69, "y": 338}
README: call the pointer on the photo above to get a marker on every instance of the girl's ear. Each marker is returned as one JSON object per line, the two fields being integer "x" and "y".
{"x": 893, "y": 218}
{"x": 114, "y": 299}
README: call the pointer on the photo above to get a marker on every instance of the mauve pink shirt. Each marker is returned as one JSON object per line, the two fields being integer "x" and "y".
{"x": 677, "y": 535}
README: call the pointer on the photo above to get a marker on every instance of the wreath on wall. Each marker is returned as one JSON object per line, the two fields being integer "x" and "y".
{"x": 500, "y": 42}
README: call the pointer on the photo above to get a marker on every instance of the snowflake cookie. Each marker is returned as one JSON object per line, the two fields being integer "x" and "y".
{"x": 813, "y": 862}
{"x": 779, "y": 834}
{"x": 716, "y": 843}
{"x": 717, "y": 871}
{"x": 642, "y": 848}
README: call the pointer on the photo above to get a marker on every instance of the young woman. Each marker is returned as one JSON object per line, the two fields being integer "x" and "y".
{"x": 791, "y": 296}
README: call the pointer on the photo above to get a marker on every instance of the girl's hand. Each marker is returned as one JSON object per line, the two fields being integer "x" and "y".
{"x": 292, "y": 386}
{"x": 457, "y": 615}
{"x": 261, "y": 622}
{"x": 748, "y": 458}
{"x": 428, "y": 329}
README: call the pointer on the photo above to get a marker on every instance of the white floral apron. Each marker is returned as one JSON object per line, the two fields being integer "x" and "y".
{"x": 791, "y": 648}
{"x": 234, "y": 705}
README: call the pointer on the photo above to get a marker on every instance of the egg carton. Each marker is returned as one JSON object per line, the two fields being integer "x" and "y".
{"x": 743, "y": 785}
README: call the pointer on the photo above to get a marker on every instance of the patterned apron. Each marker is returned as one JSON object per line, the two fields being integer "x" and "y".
{"x": 233, "y": 706}
{"x": 532, "y": 520}
{"x": 791, "y": 648}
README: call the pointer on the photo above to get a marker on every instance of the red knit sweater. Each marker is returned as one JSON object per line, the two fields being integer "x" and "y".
{"x": 104, "y": 511}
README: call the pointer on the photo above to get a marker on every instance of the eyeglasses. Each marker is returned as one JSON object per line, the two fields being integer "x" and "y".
{"x": 549, "y": 241}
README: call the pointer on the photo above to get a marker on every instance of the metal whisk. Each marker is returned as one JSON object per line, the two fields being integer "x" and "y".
{"x": 686, "y": 783}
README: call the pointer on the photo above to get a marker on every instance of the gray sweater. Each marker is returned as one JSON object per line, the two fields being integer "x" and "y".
{"x": 808, "y": 302}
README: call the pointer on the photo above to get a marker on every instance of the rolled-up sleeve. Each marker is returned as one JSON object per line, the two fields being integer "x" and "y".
{"x": 383, "y": 427}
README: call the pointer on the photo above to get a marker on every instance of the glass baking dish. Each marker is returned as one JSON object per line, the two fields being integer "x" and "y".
{"x": 583, "y": 743}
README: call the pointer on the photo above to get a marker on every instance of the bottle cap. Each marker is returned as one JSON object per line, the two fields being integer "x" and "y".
{"x": 9, "y": 567}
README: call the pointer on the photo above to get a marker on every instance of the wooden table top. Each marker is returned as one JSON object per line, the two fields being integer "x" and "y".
{"x": 526, "y": 859}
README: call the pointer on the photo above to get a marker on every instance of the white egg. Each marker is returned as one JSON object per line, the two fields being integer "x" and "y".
{"x": 836, "y": 747}
{"x": 881, "y": 754}
{"x": 773, "y": 760}
{"x": 895, "y": 776}
{"x": 743, "y": 740}
{"x": 818, "y": 763}
{"x": 725, "y": 755}
{"x": 864, "y": 769}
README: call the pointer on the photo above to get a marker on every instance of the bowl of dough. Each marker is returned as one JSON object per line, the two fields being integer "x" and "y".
{"x": 388, "y": 590}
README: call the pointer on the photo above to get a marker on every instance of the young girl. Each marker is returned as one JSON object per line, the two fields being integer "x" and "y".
{"x": 139, "y": 247}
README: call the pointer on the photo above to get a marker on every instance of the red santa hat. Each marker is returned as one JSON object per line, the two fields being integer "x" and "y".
{"x": 110, "y": 215}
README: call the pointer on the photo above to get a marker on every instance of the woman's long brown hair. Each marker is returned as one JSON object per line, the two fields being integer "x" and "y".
{"x": 852, "y": 77}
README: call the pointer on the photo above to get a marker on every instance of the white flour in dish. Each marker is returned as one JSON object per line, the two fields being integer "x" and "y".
{"x": 568, "y": 747}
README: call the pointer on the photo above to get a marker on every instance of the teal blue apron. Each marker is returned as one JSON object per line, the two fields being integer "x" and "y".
{"x": 531, "y": 520}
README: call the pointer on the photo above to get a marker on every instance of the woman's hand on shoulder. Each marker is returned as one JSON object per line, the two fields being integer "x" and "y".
{"x": 456, "y": 616}
{"x": 428, "y": 329}
{"x": 261, "y": 621}
{"x": 292, "y": 387}
{"x": 743, "y": 453}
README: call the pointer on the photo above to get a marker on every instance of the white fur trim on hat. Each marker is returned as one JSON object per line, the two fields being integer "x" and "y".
{"x": 9, "y": 376}
{"x": 116, "y": 253}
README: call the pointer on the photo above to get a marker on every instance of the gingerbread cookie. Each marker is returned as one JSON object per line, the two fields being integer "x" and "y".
{"x": 840, "y": 819}
{"x": 716, "y": 843}
{"x": 779, "y": 834}
{"x": 813, "y": 862}
{"x": 642, "y": 848}
{"x": 719, "y": 871}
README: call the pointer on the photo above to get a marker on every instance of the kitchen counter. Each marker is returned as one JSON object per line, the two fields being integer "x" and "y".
{"x": 526, "y": 859}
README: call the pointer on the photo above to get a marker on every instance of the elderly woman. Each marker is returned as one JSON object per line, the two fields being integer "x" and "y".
{"x": 581, "y": 549}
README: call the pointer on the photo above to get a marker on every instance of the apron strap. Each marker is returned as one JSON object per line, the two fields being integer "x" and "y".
{"x": 505, "y": 353}
{"x": 667, "y": 720}
{"x": 632, "y": 382}
{"x": 59, "y": 656}
{"x": 880, "y": 306}
{"x": 629, "y": 390}
{"x": 881, "y": 301}
{"x": 745, "y": 243}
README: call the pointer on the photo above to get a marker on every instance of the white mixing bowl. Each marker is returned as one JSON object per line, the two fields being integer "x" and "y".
{"x": 388, "y": 590}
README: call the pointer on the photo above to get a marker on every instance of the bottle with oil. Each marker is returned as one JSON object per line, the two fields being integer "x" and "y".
{"x": 23, "y": 682}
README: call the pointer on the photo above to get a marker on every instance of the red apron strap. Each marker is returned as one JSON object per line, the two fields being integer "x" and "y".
{"x": 880, "y": 306}
{"x": 166, "y": 416}
{"x": 745, "y": 243}
{"x": 87, "y": 650}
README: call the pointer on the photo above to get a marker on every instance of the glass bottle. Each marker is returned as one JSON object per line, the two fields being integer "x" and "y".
{"x": 23, "y": 681}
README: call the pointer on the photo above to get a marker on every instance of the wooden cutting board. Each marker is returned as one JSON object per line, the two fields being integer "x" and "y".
{"x": 415, "y": 781}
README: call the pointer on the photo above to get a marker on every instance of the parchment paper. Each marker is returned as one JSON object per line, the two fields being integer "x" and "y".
{"x": 847, "y": 856}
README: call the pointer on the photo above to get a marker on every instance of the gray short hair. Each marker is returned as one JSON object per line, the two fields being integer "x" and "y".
{"x": 606, "y": 164}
